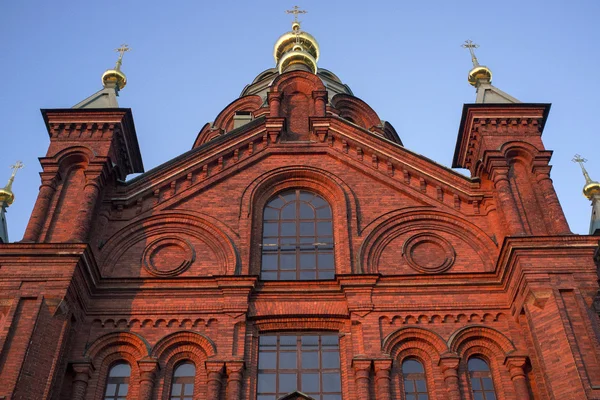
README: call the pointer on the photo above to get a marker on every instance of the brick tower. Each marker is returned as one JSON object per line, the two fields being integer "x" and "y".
{"x": 298, "y": 251}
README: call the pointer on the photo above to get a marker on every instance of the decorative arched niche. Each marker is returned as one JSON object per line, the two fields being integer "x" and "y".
{"x": 321, "y": 182}
{"x": 426, "y": 242}
{"x": 167, "y": 245}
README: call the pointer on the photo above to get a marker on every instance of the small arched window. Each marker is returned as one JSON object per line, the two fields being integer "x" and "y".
{"x": 480, "y": 376}
{"x": 117, "y": 383}
{"x": 297, "y": 237}
{"x": 182, "y": 385}
{"x": 415, "y": 386}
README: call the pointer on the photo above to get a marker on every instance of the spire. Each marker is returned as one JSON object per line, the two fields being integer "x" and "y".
{"x": 296, "y": 50}
{"x": 591, "y": 190}
{"x": 113, "y": 81}
{"x": 481, "y": 77}
{"x": 6, "y": 199}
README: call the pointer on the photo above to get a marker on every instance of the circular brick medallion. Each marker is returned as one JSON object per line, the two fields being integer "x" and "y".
{"x": 168, "y": 256}
{"x": 428, "y": 253}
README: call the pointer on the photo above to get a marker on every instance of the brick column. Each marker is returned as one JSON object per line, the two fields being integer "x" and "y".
{"x": 40, "y": 210}
{"x": 515, "y": 366}
{"x": 274, "y": 100}
{"x": 383, "y": 369}
{"x": 555, "y": 214}
{"x": 148, "y": 369}
{"x": 362, "y": 373}
{"x": 214, "y": 371}
{"x": 86, "y": 210}
{"x": 234, "y": 379}
{"x": 83, "y": 372}
{"x": 507, "y": 202}
{"x": 320, "y": 97}
{"x": 449, "y": 365}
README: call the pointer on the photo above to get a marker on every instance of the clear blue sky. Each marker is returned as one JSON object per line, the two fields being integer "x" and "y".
{"x": 192, "y": 58}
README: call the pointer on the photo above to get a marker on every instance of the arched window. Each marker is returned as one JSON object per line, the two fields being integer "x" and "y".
{"x": 482, "y": 385}
{"x": 297, "y": 237}
{"x": 415, "y": 386}
{"x": 117, "y": 383}
{"x": 182, "y": 385}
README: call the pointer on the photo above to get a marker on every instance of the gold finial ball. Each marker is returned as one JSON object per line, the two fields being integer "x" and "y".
{"x": 479, "y": 72}
{"x": 6, "y": 196}
{"x": 114, "y": 77}
{"x": 591, "y": 189}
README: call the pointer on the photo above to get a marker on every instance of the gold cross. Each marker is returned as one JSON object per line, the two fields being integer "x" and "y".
{"x": 580, "y": 160}
{"x": 295, "y": 11}
{"x": 121, "y": 50}
{"x": 17, "y": 166}
{"x": 470, "y": 45}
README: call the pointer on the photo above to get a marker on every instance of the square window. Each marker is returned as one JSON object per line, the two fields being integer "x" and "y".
{"x": 287, "y": 383}
{"x": 266, "y": 382}
{"x": 287, "y": 261}
{"x": 310, "y": 360}
{"x": 269, "y": 262}
{"x": 287, "y": 360}
{"x": 267, "y": 360}
{"x": 308, "y": 275}
{"x": 310, "y": 383}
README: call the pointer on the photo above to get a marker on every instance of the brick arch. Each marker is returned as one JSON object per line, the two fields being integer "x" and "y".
{"x": 413, "y": 337}
{"x": 297, "y": 81}
{"x": 335, "y": 191}
{"x": 74, "y": 155}
{"x": 301, "y": 324}
{"x": 377, "y": 237}
{"x": 111, "y": 348}
{"x": 247, "y": 103}
{"x": 356, "y": 109}
{"x": 429, "y": 362}
{"x": 194, "y": 342}
{"x": 479, "y": 335}
{"x": 202, "y": 227}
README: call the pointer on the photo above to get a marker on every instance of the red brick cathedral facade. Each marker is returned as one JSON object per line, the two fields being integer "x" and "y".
{"x": 298, "y": 251}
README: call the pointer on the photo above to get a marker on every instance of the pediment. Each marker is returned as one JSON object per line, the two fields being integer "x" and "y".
{"x": 424, "y": 181}
{"x": 296, "y": 395}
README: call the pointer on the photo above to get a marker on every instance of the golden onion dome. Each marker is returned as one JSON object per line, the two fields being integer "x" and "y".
{"x": 6, "y": 196}
{"x": 114, "y": 76}
{"x": 296, "y": 47}
{"x": 479, "y": 72}
{"x": 591, "y": 189}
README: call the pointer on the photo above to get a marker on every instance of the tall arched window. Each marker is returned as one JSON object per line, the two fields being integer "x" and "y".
{"x": 117, "y": 383}
{"x": 182, "y": 385}
{"x": 482, "y": 385}
{"x": 415, "y": 386}
{"x": 297, "y": 237}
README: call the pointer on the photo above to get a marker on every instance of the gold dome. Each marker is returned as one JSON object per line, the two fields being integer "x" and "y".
{"x": 479, "y": 72}
{"x": 114, "y": 76}
{"x": 591, "y": 189}
{"x": 296, "y": 47}
{"x": 6, "y": 196}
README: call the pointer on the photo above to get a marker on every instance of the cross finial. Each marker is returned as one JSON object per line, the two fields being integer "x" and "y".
{"x": 15, "y": 167}
{"x": 580, "y": 160}
{"x": 470, "y": 45}
{"x": 121, "y": 50}
{"x": 295, "y": 11}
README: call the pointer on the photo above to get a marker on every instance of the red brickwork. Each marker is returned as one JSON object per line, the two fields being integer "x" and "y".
{"x": 429, "y": 264}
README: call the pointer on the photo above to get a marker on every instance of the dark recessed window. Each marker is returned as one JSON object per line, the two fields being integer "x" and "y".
{"x": 297, "y": 237}
{"x": 182, "y": 385}
{"x": 482, "y": 384}
{"x": 415, "y": 386}
{"x": 307, "y": 363}
{"x": 117, "y": 383}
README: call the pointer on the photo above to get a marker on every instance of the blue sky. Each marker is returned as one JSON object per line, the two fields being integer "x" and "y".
{"x": 192, "y": 58}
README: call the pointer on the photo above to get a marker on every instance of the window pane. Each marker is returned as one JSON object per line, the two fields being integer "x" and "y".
{"x": 310, "y": 360}
{"x": 477, "y": 364}
{"x": 306, "y": 196}
{"x": 309, "y": 342}
{"x": 288, "y": 229}
{"x": 324, "y": 213}
{"x": 188, "y": 389}
{"x": 267, "y": 360}
{"x": 330, "y": 341}
{"x": 308, "y": 275}
{"x": 288, "y": 261}
{"x": 411, "y": 366}
{"x": 266, "y": 382}
{"x": 111, "y": 389}
{"x": 308, "y": 261}
{"x": 123, "y": 389}
{"x": 310, "y": 383}
{"x": 326, "y": 275}
{"x": 325, "y": 260}
{"x": 324, "y": 229}
{"x": 409, "y": 386}
{"x": 287, "y": 383}
{"x": 487, "y": 384}
{"x": 269, "y": 262}
{"x": 307, "y": 228}
{"x": 277, "y": 202}
{"x": 331, "y": 359}
{"x": 269, "y": 276}
{"x": 270, "y": 229}
{"x": 306, "y": 211}
{"x": 287, "y": 276}
{"x": 476, "y": 383}
{"x": 176, "y": 389}
{"x": 289, "y": 211}
{"x": 319, "y": 202}
{"x": 421, "y": 386}
{"x": 288, "y": 341}
{"x": 331, "y": 382}
{"x": 120, "y": 370}
{"x": 287, "y": 360}
{"x": 271, "y": 213}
